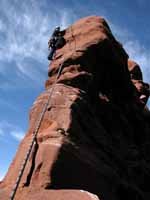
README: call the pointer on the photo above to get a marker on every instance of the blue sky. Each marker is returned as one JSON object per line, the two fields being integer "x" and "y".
{"x": 25, "y": 27}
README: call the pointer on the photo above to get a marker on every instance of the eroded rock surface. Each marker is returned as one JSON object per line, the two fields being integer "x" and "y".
{"x": 94, "y": 140}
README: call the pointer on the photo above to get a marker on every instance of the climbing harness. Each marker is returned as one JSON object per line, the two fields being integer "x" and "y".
{"x": 34, "y": 135}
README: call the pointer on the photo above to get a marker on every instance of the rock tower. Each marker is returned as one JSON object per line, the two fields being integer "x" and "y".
{"x": 94, "y": 139}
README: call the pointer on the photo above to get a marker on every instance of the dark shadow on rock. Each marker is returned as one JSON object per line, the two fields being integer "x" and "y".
{"x": 100, "y": 153}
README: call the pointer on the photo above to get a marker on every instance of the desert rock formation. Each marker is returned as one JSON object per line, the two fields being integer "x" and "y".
{"x": 94, "y": 140}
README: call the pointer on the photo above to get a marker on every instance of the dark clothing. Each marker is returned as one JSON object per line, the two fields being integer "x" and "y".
{"x": 56, "y": 41}
{"x": 51, "y": 53}
{"x": 60, "y": 42}
{"x": 56, "y": 32}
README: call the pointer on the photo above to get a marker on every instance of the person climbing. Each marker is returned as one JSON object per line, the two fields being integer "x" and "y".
{"x": 55, "y": 42}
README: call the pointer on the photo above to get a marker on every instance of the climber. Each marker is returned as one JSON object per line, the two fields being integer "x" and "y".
{"x": 55, "y": 42}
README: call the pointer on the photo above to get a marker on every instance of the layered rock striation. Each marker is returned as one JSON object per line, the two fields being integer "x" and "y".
{"x": 94, "y": 140}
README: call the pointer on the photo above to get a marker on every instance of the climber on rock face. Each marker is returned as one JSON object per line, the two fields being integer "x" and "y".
{"x": 55, "y": 42}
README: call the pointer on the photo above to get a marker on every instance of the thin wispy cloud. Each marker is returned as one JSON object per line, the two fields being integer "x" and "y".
{"x": 9, "y": 130}
{"x": 18, "y": 135}
{"x": 26, "y": 34}
{"x": 141, "y": 55}
{"x": 121, "y": 33}
{"x": 134, "y": 48}
{"x": 25, "y": 30}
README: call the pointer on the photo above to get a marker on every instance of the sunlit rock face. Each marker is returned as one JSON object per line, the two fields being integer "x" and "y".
{"x": 93, "y": 142}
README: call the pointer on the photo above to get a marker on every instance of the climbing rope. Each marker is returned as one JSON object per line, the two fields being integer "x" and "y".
{"x": 34, "y": 135}
{"x": 35, "y": 132}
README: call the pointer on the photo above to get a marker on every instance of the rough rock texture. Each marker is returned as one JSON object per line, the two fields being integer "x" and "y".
{"x": 94, "y": 136}
{"x": 142, "y": 89}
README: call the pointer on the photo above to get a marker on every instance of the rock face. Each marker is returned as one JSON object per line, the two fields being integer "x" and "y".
{"x": 94, "y": 140}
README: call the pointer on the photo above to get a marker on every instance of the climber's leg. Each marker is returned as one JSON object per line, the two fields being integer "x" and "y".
{"x": 51, "y": 53}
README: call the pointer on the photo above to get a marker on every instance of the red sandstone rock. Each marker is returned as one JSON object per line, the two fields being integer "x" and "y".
{"x": 90, "y": 138}
{"x": 90, "y": 57}
{"x": 38, "y": 194}
{"x": 142, "y": 89}
{"x": 135, "y": 70}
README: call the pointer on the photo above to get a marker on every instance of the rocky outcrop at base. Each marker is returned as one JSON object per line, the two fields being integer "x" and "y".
{"x": 94, "y": 140}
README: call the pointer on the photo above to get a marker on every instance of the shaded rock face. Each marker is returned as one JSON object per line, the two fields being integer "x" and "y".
{"x": 93, "y": 142}
{"x": 91, "y": 55}
{"x": 142, "y": 89}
